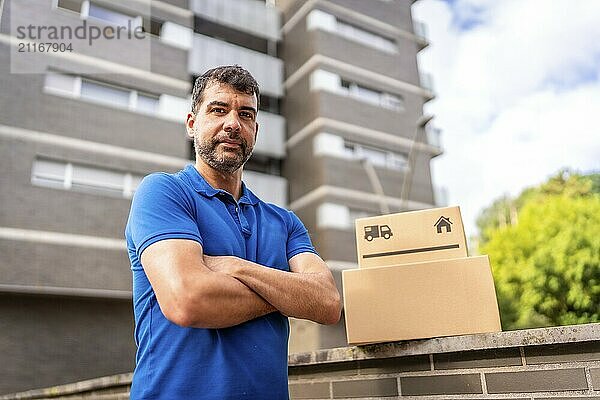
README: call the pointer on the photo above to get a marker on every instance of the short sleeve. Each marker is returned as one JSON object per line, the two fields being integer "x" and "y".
{"x": 160, "y": 210}
{"x": 298, "y": 239}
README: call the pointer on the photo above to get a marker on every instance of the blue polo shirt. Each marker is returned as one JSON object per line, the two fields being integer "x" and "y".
{"x": 246, "y": 361}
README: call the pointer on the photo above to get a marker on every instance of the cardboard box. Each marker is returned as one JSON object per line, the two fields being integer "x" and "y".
{"x": 409, "y": 237}
{"x": 421, "y": 300}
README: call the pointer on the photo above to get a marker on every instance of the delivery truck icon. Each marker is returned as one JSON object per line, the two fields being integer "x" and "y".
{"x": 375, "y": 231}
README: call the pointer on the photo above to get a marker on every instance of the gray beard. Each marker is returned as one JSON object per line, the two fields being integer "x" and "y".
{"x": 207, "y": 152}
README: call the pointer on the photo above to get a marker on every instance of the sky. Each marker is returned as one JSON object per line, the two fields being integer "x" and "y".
{"x": 517, "y": 86}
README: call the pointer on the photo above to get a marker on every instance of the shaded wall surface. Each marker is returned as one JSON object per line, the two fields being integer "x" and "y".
{"x": 63, "y": 339}
{"x": 549, "y": 363}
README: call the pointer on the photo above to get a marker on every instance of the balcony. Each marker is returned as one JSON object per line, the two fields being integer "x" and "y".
{"x": 209, "y": 53}
{"x": 269, "y": 188}
{"x": 271, "y": 135}
{"x": 420, "y": 31}
{"x": 426, "y": 81}
{"x": 434, "y": 137}
{"x": 249, "y": 16}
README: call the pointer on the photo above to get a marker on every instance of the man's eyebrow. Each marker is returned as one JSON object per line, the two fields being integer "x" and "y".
{"x": 223, "y": 104}
{"x": 217, "y": 103}
{"x": 248, "y": 108}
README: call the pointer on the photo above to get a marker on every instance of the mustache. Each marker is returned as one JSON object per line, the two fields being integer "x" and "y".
{"x": 230, "y": 136}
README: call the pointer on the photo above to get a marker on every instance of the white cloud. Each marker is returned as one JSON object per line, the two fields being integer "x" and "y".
{"x": 517, "y": 93}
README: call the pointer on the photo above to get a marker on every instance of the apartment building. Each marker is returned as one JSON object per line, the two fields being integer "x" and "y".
{"x": 341, "y": 129}
{"x": 358, "y": 143}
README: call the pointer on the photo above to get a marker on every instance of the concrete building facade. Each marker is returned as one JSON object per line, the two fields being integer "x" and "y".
{"x": 78, "y": 136}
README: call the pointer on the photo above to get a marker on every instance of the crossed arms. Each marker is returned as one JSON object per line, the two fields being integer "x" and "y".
{"x": 195, "y": 290}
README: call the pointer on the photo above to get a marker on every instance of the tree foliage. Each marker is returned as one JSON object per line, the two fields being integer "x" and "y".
{"x": 544, "y": 247}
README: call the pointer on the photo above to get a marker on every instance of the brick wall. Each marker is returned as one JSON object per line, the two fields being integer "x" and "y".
{"x": 556, "y": 363}
{"x": 550, "y": 363}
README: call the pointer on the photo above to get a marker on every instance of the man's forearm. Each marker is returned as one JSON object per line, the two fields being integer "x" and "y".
{"x": 192, "y": 295}
{"x": 308, "y": 295}
{"x": 231, "y": 303}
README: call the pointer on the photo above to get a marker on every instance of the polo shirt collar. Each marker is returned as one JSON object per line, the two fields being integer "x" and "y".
{"x": 247, "y": 196}
{"x": 204, "y": 188}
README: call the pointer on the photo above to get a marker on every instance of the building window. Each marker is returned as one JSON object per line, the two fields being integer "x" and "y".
{"x": 332, "y": 82}
{"x": 71, "y": 5}
{"x": 88, "y": 9}
{"x": 62, "y": 84}
{"x": 318, "y": 19}
{"x": 101, "y": 92}
{"x": 51, "y": 174}
{"x": 147, "y": 103}
{"x": 104, "y": 93}
{"x": 82, "y": 178}
{"x": 112, "y": 17}
{"x": 152, "y": 26}
{"x": 329, "y": 144}
{"x": 260, "y": 163}
{"x": 232, "y": 35}
{"x": 365, "y": 37}
{"x": 97, "y": 181}
{"x": 377, "y": 157}
{"x": 269, "y": 104}
{"x": 373, "y": 96}
{"x": 121, "y": 97}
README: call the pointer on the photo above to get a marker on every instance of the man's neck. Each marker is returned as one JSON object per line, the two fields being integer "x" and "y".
{"x": 231, "y": 183}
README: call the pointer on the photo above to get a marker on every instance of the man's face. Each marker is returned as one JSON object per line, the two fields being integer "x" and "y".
{"x": 224, "y": 127}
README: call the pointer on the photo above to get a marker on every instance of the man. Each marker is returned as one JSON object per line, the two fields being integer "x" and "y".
{"x": 217, "y": 271}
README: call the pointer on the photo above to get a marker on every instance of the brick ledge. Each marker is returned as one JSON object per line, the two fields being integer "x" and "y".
{"x": 77, "y": 388}
{"x": 526, "y": 337}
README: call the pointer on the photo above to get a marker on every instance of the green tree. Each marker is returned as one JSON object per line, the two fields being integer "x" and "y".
{"x": 546, "y": 261}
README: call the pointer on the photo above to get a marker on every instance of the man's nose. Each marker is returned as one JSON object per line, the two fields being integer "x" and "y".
{"x": 232, "y": 123}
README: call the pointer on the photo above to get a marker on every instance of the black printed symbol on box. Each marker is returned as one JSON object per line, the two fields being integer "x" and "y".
{"x": 443, "y": 222}
{"x": 375, "y": 231}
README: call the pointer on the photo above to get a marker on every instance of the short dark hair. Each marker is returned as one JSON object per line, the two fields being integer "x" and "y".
{"x": 234, "y": 75}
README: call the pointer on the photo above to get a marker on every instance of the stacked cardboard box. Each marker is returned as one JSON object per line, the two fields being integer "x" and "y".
{"x": 415, "y": 280}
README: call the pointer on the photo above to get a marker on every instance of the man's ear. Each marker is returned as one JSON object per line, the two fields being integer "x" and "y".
{"x": 189, "y": 125}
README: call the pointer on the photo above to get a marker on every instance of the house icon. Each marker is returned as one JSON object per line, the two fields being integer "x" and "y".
{"x": 443, "y": 222}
